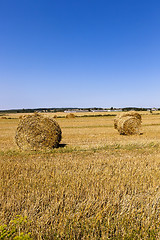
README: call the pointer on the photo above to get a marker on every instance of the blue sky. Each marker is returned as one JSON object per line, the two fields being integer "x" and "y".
{"x": 79, "y": 53}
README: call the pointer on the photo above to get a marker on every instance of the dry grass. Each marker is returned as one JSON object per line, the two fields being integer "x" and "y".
{"x": 101, "y": 185}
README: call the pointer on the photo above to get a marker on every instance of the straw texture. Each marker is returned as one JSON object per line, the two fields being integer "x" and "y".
{"x": 35, "y": 132}
{"x": 126, "y": 114}
{"x": 129, "y": 126}
{"x": 128, "y": 123}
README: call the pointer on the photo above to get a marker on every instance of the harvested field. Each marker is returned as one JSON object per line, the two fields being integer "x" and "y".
{"x": 96, "y": 185}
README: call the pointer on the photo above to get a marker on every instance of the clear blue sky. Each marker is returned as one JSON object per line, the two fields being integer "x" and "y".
{"x": 79, "y": 53}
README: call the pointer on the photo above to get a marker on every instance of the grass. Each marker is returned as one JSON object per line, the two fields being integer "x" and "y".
{"x": 100, "y": 185}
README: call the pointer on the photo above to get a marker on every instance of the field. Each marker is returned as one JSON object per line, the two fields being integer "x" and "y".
{"x": 96, "y": 185}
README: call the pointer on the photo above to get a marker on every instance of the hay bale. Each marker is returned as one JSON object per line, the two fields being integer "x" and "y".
{"x": 116, "y": 122}
{"x": 55, "y": 116}
{"x": 70, "y": 115}
{"x": 126, "y": 114}
{"x": 129, "y": 125}
{"x": 132, "y": 114}
{"x": 20, "y": 117}
{"x": 35, "y": 132}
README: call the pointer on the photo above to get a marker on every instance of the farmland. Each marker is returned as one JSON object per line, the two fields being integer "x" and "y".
{"x": 96, "y": 185}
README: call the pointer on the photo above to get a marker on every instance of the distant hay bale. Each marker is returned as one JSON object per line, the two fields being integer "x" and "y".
{"x": 55, "y": 116}
{"x": 35, "y": 132}
{"x": 70, "y": 115}
{"x": 129, "y": 125}
{"x": 3, "y": 117}
{"x": 126, "y": 114}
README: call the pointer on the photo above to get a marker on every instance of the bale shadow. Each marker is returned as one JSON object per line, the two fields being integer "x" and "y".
{"x": 61, "y": 145}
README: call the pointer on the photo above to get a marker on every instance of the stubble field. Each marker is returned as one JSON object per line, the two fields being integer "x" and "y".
{"x": 96, "y": 185}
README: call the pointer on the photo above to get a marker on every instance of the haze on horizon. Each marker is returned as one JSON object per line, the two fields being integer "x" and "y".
{"x": 86, "y": 53}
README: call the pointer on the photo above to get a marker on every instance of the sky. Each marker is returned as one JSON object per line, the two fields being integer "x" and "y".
{"x": 79, "y": 53}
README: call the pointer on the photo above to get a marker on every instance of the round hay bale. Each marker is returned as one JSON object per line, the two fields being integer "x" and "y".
{"x": 70, "y": 115}
{"x": 35, "y": 132}
{"x": 22, "y": 116}
{"x": 131, "y": 114}
{"x": 129, "y": 125}
{"x": 126, "y": 114}
{"x": 55, "y": 116}
{"x": 116, "y": 122}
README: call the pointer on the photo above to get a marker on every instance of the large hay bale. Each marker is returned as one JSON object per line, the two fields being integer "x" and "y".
{"x": 126, "y": 114}
{"x": 116, "y": 122}
{"x": 20, "y": 117}
{"x": 70, "y": 115}
{"x": 132, "y": 114}
{"x": 129, "y": 125}
{"x": 35, "y": 132}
